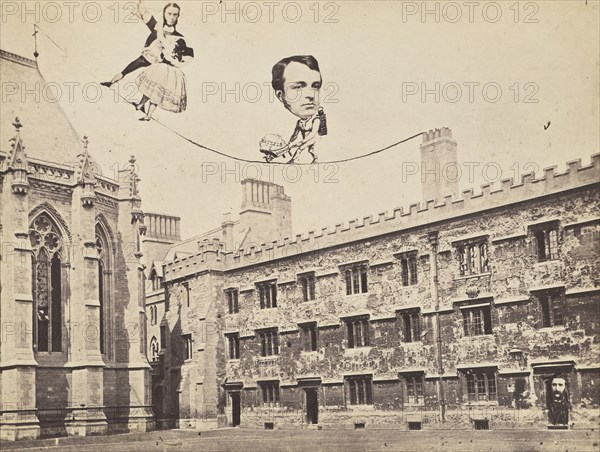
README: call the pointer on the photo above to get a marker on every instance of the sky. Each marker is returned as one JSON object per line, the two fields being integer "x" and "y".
{"x": 496, "y": 73}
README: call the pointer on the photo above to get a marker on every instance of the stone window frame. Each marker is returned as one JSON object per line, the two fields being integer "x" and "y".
{"x": 477, "y": 319}
{"x": 412, "y": 324}
{"x": 358, "y": 327}
{"x": 409, "y": 268}
{"x": 163, "y": 336}
{"x": 359, "y": 389}
{"x": 553, "y": 305}
{"x": 270, "y": 392}
{"x": 356, "y": 278}
{"x": 413, "y": 382}
{"x": 308, "y": 283}
{"x": 233, "y": 346}
{"x": 232, "y": 295}
{"x": 49, "y": 268}
{"x": 473, "y": 256}
{"x": 186, "y": 287}
{"x": 267, "y": 294}
{"x": 309, "y": 336}
{"x": 154, "y": 350}
{"x": 480, "y": 384}
{"x": 188, "y": 346}
{"x": 546, "y": 237}
{"x": 269, "y": 341}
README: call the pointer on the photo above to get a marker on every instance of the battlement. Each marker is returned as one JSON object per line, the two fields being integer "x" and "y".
{"x": 434, "y": 134}
{"x": 488, "y": 197}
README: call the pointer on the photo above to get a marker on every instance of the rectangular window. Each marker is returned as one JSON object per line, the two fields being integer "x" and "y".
{"x": 408, "y": 263}
{"x": 232, "y": 301}
{"x": 270, "y": 392}
{"x": 187, "y": 343}
{"x": 411, "y": 325}
{"x": 477, "y": 320}
{"x": 473, "y": 258}
{"x": 269, "y": 342}
{"x": 309, "y": 337}
{"x": 356, "y": 279}
{"x": 546, "y": 240}
{"x": 552, "y": 310}
{"x": 414, "y": 389}
{"x": 163, "y": 337}
{"x": 267, "y": 292}
{"x": 357, "y": 330}
{"x": 186, "y": 286}
{"x": 233, "y": 341}
{"x": 308, "y": 286}
{"x": 360, "y": 390}
{"x": 481, "y": 385}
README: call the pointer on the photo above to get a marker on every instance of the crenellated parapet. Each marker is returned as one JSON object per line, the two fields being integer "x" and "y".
{"x": 488, "y": 197}
{"x": 210, "y": 256}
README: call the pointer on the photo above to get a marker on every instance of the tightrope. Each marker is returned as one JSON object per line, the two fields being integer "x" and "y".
{"x": 230, "y": 156}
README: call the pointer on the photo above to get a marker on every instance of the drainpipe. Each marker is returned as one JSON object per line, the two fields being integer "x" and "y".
{"x": 433, "y": 240}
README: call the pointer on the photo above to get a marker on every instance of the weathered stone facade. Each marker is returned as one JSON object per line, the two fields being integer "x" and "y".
{"x": 455, "y": 310}
{"x": 72, "y": 349}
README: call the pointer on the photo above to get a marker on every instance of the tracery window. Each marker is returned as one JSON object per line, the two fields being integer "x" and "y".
{"x": 46, "y": 243}
{"x": 154, "y": 349}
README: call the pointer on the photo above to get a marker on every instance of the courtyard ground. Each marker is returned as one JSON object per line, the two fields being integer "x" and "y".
{"x": 247, "y": 440}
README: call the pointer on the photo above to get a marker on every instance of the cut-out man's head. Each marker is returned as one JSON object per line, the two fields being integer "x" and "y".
{"x": 559, "y": 387}
{"x": 297, "y": 83}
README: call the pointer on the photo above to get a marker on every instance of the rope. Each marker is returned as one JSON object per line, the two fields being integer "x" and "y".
{"x": 230, "y": 156}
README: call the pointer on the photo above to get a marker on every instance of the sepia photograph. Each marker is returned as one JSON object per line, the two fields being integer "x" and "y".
{"x": 311, "y": 225}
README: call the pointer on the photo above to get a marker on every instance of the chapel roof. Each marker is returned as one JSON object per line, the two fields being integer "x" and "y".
{"x": 47, "y": 133}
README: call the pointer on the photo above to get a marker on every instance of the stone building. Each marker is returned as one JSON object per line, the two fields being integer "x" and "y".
{"x": 457, "y": 309}
{"x": 72, "y": 348}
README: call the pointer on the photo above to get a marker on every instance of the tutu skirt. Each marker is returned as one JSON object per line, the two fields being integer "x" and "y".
{"x": 164, "y": 85}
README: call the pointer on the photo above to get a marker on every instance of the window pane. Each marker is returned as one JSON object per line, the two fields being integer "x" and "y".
{"x": 363, "y": 278}
{"x": 553, "y": 244}
{"x": 557, "y": 311}
{"x": 491, "y": 380}
{"x": 348, "y": 282}
{"x": 56, "y": 316}
{"x": 404, "y": 264}
{"x": 413, "y": 270}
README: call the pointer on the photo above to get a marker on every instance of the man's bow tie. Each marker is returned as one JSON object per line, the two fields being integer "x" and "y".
{"x": 169, "y": 29}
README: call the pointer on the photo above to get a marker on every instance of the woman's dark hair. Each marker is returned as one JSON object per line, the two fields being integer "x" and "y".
{"x": 174, "y": 5}
{"x": 279, "y": 68}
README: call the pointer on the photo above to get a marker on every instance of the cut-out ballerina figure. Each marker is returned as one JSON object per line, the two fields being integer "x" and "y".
{"x": 163, "y": 84}
{"x": 154, "y": 46}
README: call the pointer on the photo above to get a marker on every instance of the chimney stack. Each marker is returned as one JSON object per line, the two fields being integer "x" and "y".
{"x": 439, "y": 168}
{"x": 266, "y": 210}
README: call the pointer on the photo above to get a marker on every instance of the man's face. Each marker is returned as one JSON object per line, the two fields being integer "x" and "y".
{"x": 558, "y": 386}
{"x": 171, "y": 16}
{"x": 302, "y": 87}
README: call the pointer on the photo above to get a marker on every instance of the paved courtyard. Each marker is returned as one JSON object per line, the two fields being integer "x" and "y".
{"x": 326, "y": 440}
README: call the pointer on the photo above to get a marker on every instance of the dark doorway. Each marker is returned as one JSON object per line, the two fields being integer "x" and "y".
{"x": 157, "y": 399}
{"x": 235, "y": 408}
{"x": 312, "y": 406}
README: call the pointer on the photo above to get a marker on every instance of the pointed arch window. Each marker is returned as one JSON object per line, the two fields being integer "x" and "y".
{"x": 46, "y": 244}
{"x": 154, "y": 349}
{"x": 104, "y": 272}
